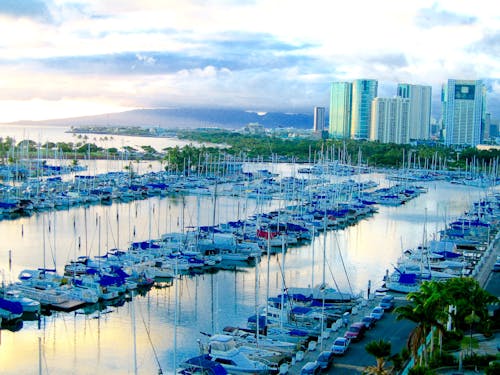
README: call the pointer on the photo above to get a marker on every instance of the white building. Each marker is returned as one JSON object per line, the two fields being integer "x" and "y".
{"x": 390, "y": 120}
{"x": 420, "y": 108}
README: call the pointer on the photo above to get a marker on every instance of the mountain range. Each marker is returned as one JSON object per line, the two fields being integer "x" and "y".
{"x": 187, "y": 118}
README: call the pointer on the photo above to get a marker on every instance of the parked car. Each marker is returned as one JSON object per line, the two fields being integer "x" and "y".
{"x": 377, "y": 313}
{"x": 310, "y": 368}
{"x": 369, "y": 321}
{"x": 340, "y": 345}
{"x": 496, "y": 266}
{"x": 325, "y": 359}
{"x": 387, "y": 303}
{"x": 356, "y": 331}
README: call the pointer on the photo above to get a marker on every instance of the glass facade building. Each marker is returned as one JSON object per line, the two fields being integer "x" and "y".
{"x": 319, "y": 119}
{"x": 340, "y": 110}
{"x": 363, "y": 93}
{"x": 464, "y": 104}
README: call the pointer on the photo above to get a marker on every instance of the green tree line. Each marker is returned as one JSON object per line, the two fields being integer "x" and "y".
{"x": 218, "y": 143}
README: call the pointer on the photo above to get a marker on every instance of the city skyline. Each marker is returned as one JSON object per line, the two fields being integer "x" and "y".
{"x": 69, "y": 58}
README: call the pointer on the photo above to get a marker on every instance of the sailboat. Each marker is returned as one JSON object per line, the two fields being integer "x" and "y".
{"x": 409, "y": 274}
{"x": 222, "y": 349}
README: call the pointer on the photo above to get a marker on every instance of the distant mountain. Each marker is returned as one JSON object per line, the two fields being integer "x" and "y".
{"x": 189, "y": 118}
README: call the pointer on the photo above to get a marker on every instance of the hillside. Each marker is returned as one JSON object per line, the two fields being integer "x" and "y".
{"x": 187, "y": 118}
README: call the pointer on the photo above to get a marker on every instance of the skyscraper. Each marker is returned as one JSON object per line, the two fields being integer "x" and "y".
{"x": 420, "y": 108}
{"x": 390, "y": 120}
{"x": 319, "y": 119}
{"x": 340, "y": 110}
{"x": 363, "y": 92}
{"x": 463, "y": 109}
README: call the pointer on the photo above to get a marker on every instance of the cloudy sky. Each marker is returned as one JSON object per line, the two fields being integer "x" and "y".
{"x": 65, "y": 58}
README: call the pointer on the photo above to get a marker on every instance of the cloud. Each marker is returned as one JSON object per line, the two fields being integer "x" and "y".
{"x": 488, "y": 44}
{"x": 237, "y": 51}
{"x": 435, "y": 17}
{"x": 240, "y": 41}
{"x": 234, "y": 53}
{"x": 34, "y": 9}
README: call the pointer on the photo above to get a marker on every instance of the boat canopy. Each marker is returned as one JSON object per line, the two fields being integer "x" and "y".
{"x": 408, "y": 278}
{"x": 203, "y": 363}
{"x": 11, "y": 306}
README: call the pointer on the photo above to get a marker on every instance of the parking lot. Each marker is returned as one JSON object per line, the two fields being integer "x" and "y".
{"x": 356, "y": 358}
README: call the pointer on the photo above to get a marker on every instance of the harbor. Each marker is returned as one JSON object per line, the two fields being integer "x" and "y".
{"x": 182, "y": 306}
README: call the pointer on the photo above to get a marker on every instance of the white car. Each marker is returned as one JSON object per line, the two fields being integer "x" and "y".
{"x": 496, "y": 266}
{"x": 340, "y": 345}
{"x": 377, "y": 313}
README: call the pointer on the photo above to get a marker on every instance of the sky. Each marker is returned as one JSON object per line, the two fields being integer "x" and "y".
{"x": 68, "y": 58}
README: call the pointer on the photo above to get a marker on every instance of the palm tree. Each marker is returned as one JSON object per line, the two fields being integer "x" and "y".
{"x": 380, "y": 349}
{"x": 427, "y": 310}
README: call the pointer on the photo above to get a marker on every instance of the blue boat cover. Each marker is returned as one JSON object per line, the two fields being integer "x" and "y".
{"x": 119, "y": 272}
{"x": 296, "y": 227}
{"x": 448, "y": 254}
{"x": 298, "y": 332}
{"x": 13, "y": 307}
{"x": 145, "y": 245}
{"x": 301, "y": 310}
{"x": 107, "y": 280}
{"x": 209, "y": 229}
{"x": 253, "y": 319}
{"x": 203, "y": 362}
{"x": 407, "y": 278}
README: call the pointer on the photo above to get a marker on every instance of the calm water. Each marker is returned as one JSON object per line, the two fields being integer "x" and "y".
{"x": 49, "y": 133}
{"x": 103, "y": 343}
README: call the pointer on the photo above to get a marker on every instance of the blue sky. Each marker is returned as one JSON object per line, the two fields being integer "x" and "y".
{"x": 65, "y": 58}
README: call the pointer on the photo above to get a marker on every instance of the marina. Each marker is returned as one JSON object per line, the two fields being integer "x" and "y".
{"x": 158, "y": 327}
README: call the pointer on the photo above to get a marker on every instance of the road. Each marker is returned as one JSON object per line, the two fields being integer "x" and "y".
{"x": 388, "y": 329}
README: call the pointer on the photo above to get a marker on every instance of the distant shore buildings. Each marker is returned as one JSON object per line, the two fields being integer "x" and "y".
{"x": 357, "y": 112}
{"x": 319, "y": 119}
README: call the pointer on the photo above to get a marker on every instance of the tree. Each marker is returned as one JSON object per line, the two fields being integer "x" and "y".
{"x": 471, "y": 320}
{"x": 426, "y": 308}
{"x": 468, "y": 296}
{"x": 381, "y": 350}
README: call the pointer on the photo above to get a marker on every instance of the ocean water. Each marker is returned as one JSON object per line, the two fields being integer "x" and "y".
{"x": 160, "y": 328}
{"x": 49, "y": 133}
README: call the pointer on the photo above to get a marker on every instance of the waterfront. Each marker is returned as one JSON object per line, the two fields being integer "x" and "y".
{"x": 62, "y": 134}
{"x": 166, "y": 321}
{"x": 103, "y": 341}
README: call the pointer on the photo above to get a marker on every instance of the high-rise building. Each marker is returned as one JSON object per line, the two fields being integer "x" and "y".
{"x": 340, "y": 110}
{"x": 420, "y": 108}
{"x": 390, "y": 120}
{"x": 319, "y": 119}
{"x": 494, "y": 125}
{"x": 463, "y": 110}
{"x": 363, "y": 93}
{"x": 486, "y": 127}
